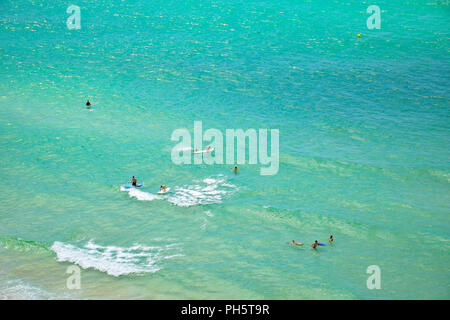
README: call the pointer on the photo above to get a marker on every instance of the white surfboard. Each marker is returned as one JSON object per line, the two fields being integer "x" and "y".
{"x": 163, "y": 191}
{"x": 204, "y": 151}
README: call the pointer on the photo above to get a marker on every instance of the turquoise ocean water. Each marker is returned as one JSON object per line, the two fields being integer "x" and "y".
{"x": 364, "y": 149}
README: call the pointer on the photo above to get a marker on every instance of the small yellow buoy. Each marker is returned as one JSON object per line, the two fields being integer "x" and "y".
{"x": 359, "y": 35}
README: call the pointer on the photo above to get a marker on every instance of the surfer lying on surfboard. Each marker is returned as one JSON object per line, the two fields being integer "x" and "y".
{"x": 296, "y": 243}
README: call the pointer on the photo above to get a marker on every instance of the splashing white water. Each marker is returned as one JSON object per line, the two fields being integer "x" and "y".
{"x": 141, "y": 195}
{"x": 207, "y": 191}
{"x": 114, "y": 260}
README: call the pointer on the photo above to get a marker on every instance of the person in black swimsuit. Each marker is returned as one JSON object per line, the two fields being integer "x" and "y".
{"x": 133, "y": 181}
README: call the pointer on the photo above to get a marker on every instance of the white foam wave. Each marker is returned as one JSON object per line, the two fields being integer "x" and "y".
{"x": 114, "y": 260}
{"x": 207, "y": 191}
{"x": 141, "y": 195}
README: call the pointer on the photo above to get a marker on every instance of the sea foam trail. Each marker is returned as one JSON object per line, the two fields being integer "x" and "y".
{"x": 141, "y": 195}
{"x": 113, "y": 260}
{"x": 207, "y": 191}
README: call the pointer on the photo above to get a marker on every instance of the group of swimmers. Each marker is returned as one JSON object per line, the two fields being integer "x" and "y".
{"x": 235, "y": 170}
{"x": 163, "y": 187}
{"x": 314, "y": 245}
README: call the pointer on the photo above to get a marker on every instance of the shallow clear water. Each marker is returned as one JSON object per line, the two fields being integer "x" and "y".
{"x": 364, "y": 135}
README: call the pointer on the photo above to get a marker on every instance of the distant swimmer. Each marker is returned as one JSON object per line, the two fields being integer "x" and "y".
{"x": 296, "y": 243}
{"x": 133, "y": 181}
{"x": 208, "y": 148}
{"x": 331, "y": 239}
{"x": 88, "y": 104}
{"x": 235, "y": 169}
{"x": 315, "y": 244}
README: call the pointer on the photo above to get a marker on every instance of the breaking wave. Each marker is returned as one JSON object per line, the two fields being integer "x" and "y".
{"x": 207, "y": 191}
{"x": 116, "y": 261}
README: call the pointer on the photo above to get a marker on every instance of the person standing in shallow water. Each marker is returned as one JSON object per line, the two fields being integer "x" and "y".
{"x": 331, "y": 239}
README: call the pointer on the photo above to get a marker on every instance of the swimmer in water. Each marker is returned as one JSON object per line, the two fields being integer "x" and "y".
{"x": 315, "y": 244}
{"x": 162, "y": 188}
{"x": 296, "y": 243}
{"x": 235, "y": 169}
{"x": 331, "y": 239}
{"x": 133, "y": 181}
{"x": 88, "y": 104}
